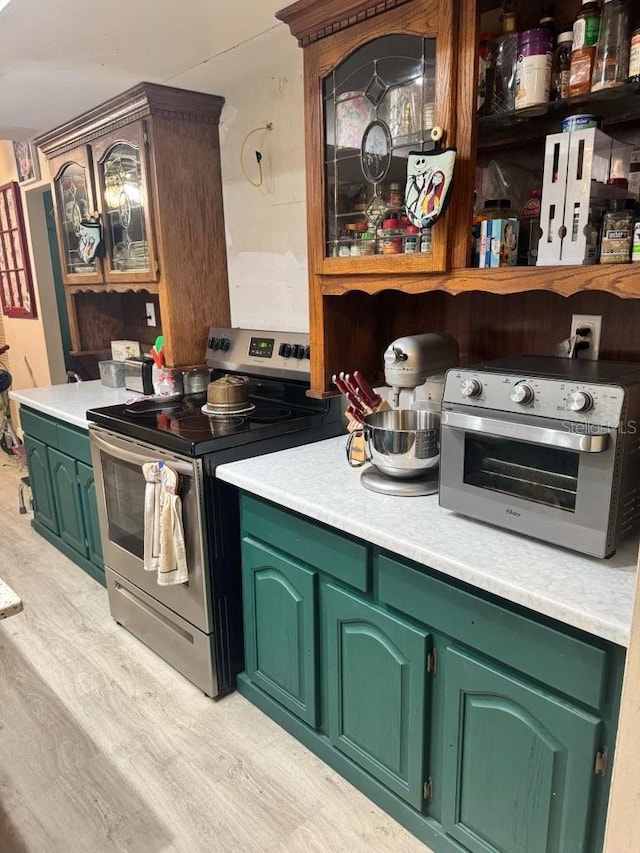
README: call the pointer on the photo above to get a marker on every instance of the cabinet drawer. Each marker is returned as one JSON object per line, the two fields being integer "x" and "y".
{"x": 564, "y": 663}
{"x": 38, "y": 426}
{"x": 74, "y": 442}
{"x": 331, "y": 553}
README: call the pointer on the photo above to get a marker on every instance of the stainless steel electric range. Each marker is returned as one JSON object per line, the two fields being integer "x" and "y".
{"x": 197, "y": 626}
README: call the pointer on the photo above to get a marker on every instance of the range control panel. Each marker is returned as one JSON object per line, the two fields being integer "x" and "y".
{"x": 562, "y": 399}
{"x": 277, "y": 354}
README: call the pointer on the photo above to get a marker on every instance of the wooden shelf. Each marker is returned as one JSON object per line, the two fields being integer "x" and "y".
{"x": 621, "y": 280}
{"x": 112, "y": 288}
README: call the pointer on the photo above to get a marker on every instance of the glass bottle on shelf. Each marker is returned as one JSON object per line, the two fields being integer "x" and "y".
{"x": 611, "y": 65}
{"x": 506, "y": 60}
{"x": 547, "y": 19}
{"x": 561, "y": 67}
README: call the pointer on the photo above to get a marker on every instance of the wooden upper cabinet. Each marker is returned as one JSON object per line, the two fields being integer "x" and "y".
{"x": 121, "y": 170}
{"x": 147, "y": 163}
{"x": 378, "y": 78}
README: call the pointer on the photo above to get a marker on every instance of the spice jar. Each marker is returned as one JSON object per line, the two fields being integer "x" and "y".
{"x": 583, "y": 53}
{"x": 617, "y": 232}
{"x": 529, "y": 236}
{"x": 411, "y": 240}
{"x": 396, "y": 199}
{"x": 391, "y": 237}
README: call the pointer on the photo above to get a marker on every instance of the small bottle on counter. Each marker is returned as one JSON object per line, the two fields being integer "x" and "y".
{"x": 617, "y": 231}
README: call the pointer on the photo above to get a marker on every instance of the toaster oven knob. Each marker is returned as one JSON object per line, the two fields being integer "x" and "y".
{"x": 579, "y": 401}
{"x": 471, "y": 388}
{"x": 521, "y": 393}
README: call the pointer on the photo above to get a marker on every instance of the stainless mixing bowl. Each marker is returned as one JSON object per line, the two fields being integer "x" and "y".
{"x": 403, "y": 443}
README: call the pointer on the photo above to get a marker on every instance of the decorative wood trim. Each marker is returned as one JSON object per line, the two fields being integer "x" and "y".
{"x": 145, "y": 99}
{"x": 310, "y": 21}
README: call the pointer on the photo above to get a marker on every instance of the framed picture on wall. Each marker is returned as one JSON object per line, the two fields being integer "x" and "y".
{"x": 16, "y": 286}
{"x": 26, "y": 161}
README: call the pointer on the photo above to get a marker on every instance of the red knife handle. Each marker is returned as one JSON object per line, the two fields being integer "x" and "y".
{"x": 351, "y": 397}
{"x": 370, "y": 397}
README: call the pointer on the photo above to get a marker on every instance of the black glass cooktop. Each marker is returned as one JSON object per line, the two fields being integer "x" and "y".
{"x": 178, "y": 423}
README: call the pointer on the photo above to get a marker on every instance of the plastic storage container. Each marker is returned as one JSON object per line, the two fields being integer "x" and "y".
{"x": 533, "y": 75}
{"x": 111, "y": 373}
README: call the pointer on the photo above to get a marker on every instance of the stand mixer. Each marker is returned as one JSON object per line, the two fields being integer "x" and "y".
{"x": 410, "y": 360}
{"x": 403, "y": 445}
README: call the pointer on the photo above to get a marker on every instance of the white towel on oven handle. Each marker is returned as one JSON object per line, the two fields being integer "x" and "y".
{"x": 152, "y": 509}
{"x": 164, "y": 546}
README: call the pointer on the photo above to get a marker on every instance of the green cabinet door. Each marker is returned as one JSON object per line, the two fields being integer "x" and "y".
{"x": 519, "y": 763}
{"x": 279, "y": 600}
{"x": 41, "y": 486}
{"x": 67, "y": 497}
{"x": 375, "y": 675}
{"x": 88, "y": 499}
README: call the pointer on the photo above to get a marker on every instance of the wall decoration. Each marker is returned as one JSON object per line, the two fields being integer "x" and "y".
{"x": 26, "y": 161}
{"x": 16, "y": 287}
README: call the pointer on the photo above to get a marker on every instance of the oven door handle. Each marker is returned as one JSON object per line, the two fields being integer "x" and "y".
{"x": 524, "y": 432}
{"x": 184, "y": 468}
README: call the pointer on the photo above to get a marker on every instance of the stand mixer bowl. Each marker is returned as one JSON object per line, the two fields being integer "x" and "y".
{"x": 403, "y": 443}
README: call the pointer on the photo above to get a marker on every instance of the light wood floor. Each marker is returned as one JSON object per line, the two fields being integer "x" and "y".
{"x": 103, "y": 747}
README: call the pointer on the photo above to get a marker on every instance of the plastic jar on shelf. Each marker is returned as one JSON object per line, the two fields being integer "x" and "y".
{"x": 533, "y": 73}
{"x": 617, "y": 231}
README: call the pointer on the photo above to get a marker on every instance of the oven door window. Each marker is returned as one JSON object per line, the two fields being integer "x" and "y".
{"x": 545, "y": 475}
{"x": 124, "y": 487}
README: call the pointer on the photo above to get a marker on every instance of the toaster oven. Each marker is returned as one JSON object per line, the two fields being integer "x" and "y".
{"x": 547, "y": 447}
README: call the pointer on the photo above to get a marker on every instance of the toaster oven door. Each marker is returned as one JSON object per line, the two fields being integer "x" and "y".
{"x": 547, "y": 479}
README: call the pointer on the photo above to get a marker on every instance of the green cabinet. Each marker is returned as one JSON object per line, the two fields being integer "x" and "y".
{"x": 279, "y": 600}
{"x": 376, "y": 670}
{"x": 63, "y": 489}
{"x": 477, "y": 725}
{"x": 519, "y": 768}
{"x": 41, "y": 488}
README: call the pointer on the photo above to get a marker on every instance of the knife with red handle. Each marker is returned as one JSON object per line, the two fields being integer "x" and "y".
{"x": 351, "y": 397}
{"x": 366, "y": 392}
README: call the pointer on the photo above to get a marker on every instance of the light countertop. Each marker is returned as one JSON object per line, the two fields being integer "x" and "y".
{"x": 70, "y": 402}
{"x": 315, "y": 480}
{"x": 10, "y": 602}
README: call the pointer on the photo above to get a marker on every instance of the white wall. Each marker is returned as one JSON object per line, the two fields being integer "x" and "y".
{"x": 261, "y": 81}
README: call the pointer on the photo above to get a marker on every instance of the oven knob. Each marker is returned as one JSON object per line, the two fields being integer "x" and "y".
{"x": 285, "y": 350}
{"x": 216, "y": 344}
{"x": 298, "y": 351}
{"x": 579, "y": 401}
{"x": 307, "y": 351}
{"x": 521, "y": 393}
{"x": 471, "y": 388}
{"x": 225, "y": 344}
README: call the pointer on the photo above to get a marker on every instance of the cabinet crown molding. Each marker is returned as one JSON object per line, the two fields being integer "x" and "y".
{"x": 142, "y": 100}
{"x": 310, "y": 21}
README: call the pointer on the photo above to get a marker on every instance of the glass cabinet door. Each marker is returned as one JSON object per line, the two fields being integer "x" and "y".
{"x": 378, "y": 107}
{"x": 120, "y": 162}
{"x": 74, "y": 202}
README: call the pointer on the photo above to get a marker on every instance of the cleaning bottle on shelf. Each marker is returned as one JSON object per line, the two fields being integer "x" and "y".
{"x": 611, "y": 66}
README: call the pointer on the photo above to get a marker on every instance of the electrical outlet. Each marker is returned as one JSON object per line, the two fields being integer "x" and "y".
{"x": 594, "y": 323}
{"x": 151, "y": 313}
